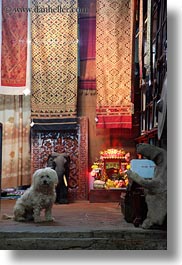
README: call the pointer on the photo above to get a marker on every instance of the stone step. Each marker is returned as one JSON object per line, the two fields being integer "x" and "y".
{"x": 100, "y": 240}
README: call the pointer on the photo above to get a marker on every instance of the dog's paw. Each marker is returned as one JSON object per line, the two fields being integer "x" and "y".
{"x": 50, "y": 219}
{"x": 37, "y": 220}
{"x": 19, "y": 219}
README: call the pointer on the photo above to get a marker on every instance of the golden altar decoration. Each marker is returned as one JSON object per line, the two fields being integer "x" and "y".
{"x": 109, "y": 170}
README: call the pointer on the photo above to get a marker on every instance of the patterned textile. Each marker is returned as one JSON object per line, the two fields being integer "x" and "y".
{"x": 46, "y": 142}
{"x": 87, "y": 40}
{"x": 15, "y": 117}
{"x": 14, "y": 50}
{"x": 75, "y": 143}
{"x": 113, "y": 62}
{"x": 54, "y": 59}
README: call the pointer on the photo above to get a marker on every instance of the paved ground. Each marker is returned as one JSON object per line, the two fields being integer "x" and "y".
{"x": 82, "y": 214}
{"x": 79, "y": 225}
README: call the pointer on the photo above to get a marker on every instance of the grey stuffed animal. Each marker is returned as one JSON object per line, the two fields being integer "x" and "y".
{"x": 155, "y": 188}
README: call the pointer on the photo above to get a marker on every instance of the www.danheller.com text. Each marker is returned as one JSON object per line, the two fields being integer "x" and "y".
{"x": 47, "y": 9}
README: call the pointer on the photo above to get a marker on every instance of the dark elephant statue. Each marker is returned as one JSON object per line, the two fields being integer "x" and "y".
{"x": 61, "y": 164}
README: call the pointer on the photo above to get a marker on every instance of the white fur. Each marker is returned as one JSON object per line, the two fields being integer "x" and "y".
{"x": 40, "y": 196}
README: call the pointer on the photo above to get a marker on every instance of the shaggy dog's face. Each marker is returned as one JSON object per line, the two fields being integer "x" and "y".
{"x": 45, "y": 178}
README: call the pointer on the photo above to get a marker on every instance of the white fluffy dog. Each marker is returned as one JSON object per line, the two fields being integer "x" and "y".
{"x": 40, "y": 196}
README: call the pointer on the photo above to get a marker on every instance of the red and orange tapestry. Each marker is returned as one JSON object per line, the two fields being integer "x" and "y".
{"x": 113, "y": 63}
{"x": 15, "y": 47}
{"x": 54, "y": 59}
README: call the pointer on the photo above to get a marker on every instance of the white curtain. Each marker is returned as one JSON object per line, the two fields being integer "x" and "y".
{"x": 15, "y": 117}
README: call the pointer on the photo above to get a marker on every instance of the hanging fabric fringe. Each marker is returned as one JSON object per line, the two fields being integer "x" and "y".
{"x": 54, "y": 59}
{"x": 14, "y": 47}
{"x": 113, "y": 63}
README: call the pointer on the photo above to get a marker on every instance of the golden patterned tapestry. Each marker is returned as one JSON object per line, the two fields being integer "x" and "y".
{"x": 54, "y": 58}
{"x": 113, "y": 63}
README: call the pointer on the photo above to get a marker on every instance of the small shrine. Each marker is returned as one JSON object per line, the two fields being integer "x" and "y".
{"x": 109, "y": 171}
